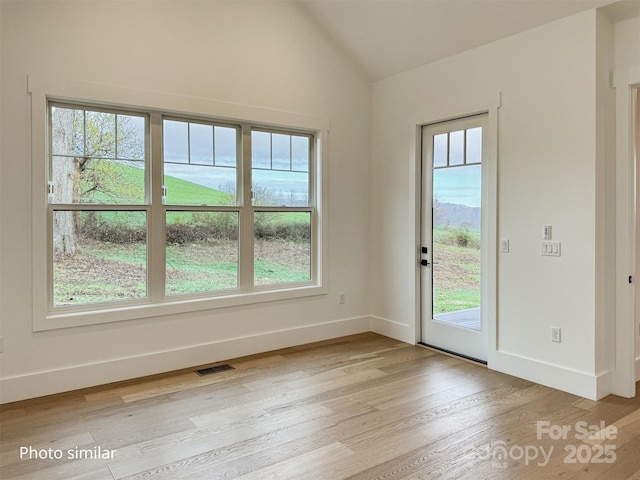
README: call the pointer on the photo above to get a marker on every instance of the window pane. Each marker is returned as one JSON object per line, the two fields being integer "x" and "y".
{"x": 201, "y": 141}
{"x": 226, "y": 146}
{"x": 260, "y": 149}
{"x": 457, "y": 186}
{"x": 456, "y": 148}
{"x": 440, "y": 150}
{"x": 282, "y": 247}
{"x": 130, "y": 137}
{"x": 99, "y": 257}
{"x": 199, "y": 185}
{"x": 202, "y": 252}
{"x": 474, "y": 145}
{"x": 176, "y": 141}
{"x": 300, "y": 153}
{"x": 281, "y": 151}
{"x": 100, "y": 134}
{"x": 95, "y": 180}
{"x": 275, "y": 181}
{"x": 274, "y": 188}
{"x": 67, "y": 131}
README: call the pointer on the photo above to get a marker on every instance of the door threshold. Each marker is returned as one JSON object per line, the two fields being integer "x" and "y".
{"x": 453, "y": 354}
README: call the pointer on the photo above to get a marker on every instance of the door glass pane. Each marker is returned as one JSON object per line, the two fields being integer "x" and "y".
{"x": 474, "y": 145}
{"x": 456, "y": 148}
{"x": 456, "y": 245}
{"x": 440, "y": 150}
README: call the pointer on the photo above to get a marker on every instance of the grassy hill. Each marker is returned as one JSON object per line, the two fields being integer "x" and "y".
{"x": 123, "y": 183}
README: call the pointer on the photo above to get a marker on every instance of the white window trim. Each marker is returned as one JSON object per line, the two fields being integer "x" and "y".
{"x": 43, "y": 89}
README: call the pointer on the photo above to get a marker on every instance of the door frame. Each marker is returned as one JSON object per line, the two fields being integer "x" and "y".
{"x": 626, "y": 367}
{"x": 466, "y": 343}
{"x": 489, "y": 104}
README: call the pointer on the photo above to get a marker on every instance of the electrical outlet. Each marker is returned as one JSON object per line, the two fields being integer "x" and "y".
{"x": 341, "y": 298}
{"x": 504, "y": 245}
{"x": 556, "y": 334}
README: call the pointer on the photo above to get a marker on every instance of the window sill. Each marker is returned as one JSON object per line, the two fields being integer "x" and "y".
{"x": 129, "y": 312}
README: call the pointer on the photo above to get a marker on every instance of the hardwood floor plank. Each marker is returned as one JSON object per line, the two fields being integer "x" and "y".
{"x": 362, "y": 407}
{"x": 302, "y": 466}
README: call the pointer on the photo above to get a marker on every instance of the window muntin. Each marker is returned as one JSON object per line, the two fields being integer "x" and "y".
{"x": 209, "y": 219}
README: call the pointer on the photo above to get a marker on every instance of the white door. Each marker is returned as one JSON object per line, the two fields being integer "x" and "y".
{"x": 453, "y": 202}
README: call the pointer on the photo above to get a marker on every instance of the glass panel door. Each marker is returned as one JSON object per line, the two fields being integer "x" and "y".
{"x": 456, "y": 204}
{"x": 451, "y": 263}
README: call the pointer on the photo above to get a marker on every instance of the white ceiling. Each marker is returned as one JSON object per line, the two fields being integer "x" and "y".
{"x": 390, "y": 36}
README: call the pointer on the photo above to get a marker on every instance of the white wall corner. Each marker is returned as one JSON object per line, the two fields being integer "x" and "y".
{"x": 37, "y": 384}
{"x": 392, "y": 329}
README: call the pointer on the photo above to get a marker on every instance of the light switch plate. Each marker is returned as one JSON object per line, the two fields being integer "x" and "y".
{"x": 550, "y": 248}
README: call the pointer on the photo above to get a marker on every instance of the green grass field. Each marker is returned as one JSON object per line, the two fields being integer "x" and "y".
{"x": 106, "y": 270}
{"x": 124, "y": 184}
{"x": 456, "y": 274}
{"x": 111, "y": 260}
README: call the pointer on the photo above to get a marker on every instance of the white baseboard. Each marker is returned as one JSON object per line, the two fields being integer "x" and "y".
{"x": 42, "y": 383}
{"x": 389, "y": 328}
{"x": 572, "y": 381}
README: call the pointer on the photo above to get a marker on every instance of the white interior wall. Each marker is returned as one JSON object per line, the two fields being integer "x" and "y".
{"x": 263, "y": 54}
{"x": 547, "y": 175}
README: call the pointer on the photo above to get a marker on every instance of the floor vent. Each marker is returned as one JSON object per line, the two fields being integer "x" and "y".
{"x": 212, "y": 370}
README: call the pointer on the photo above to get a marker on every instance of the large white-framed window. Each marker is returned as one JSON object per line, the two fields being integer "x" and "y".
{"x": 151, "y": 209}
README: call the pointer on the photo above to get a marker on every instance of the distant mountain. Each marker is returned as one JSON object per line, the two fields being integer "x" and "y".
{"x": 454, "y": 215}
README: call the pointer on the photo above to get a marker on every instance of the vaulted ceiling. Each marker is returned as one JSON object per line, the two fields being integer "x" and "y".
{"x": 386, "y": 37}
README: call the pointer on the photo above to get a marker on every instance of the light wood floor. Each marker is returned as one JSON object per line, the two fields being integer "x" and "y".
{"x": 360, "y": 407}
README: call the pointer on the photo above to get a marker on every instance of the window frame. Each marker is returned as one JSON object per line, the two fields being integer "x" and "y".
{"x": 44, "y": 91}
{"x": 144, "y": 206}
